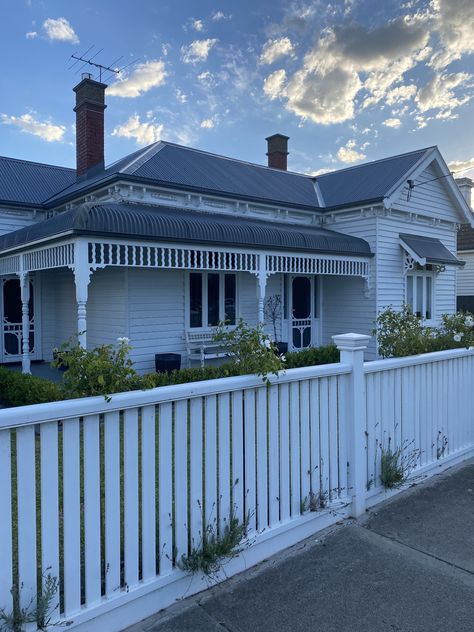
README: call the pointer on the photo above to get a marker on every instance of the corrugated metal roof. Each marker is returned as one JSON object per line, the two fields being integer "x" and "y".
{"x": 366, "y": 182}
{"x": 171, "y": 224}
{"x": 24, "y": 182}
{"x": 428, "y": 250}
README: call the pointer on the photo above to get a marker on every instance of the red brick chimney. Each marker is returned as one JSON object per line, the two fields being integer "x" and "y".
{"x": 277, "y": 151}
{"x": 90, "y": 106}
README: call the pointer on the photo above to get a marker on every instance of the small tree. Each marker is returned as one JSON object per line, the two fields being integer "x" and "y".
{"x": 272, "y": 311}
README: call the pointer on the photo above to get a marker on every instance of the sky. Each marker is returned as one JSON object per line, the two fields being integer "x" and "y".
{"x": 348, "y": 81}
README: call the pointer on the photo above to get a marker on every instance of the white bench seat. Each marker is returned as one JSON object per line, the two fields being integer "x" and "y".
{"x": 201, "y": 346}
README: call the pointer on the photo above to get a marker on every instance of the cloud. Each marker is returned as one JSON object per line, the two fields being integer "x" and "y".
{"x": 181, "y": 96}
{"x": 207, "y": 124}
{"x": 440, "y": 93}
{"x": 146, "y": 76}
{"x": 392, "y": 122}
{"x": 276, "y": 49}
{"x": 144, "y": 133}
{"x": 400, "y": 94}
{"x": 197, "y": 51}
{"x": 31, "y": 35}
{"x": 28, "y": 123}
{"x": 274, "y": 84}
{"x": 454, "y": 20}
{"x": 462, "y": 166}
{"x": 60, "y": 29}
{"x": 217, "y": 16}
{"x": 349, "y": 153}
{"x": 197, "y": 25}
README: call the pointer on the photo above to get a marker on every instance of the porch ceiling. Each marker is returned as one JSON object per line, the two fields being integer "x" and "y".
{"x": 157, "y": 223}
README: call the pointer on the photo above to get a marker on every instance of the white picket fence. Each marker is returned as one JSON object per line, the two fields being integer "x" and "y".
{"x": 107, "y": 496}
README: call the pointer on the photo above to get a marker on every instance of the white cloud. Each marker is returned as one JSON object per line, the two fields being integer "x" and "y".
{"x": 197, "y": 51}
{"x": 454, "y": 20}
{"x": 392, "y": 122}
{"x": 349, "y": 153}
{"x": 146, "y": 76}
{"x": 400, "y": 94}
{"x": 217, "y": 16}
{"x": 144, "y": 133}
{"x": 28, "y": 123}
{"x": 274, "y": 84}
{"x": 276, "y": 49}
{"x": 462, "y": 166}
{"x": 181, "y": 96}
{"x": 198, "y": 25}
{"x": 440, "y": 93}
{"x": 60, "y": 29}
{"x": 207, "y": 124}
{"x": 31, "y": 35}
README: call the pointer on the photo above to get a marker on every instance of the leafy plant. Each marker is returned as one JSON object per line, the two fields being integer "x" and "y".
{"x": 325, "y": 354}
{"x": 249, "y": 349}
{"x": 216, "y": 547}
{"x": 403, "y": 333}
{"x": 101, "y": 371}
{"x": 21, "y": 389}
{"x": 397, "y": 464}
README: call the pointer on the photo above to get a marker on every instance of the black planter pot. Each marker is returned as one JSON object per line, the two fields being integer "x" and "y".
{"x": 167, "y": 362}
{"x": 282, "y": 347}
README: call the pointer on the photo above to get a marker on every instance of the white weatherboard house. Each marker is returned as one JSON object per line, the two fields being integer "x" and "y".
{"x": 163, "y": 244}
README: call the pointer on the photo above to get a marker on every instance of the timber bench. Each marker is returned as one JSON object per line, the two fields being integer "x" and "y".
{"x": 202, "y": 346}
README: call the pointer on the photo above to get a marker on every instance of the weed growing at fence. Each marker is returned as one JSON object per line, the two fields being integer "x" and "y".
{"x": 397, "y": 464}
{"x": 314, "y": 502}
{"x": 216, "y": 547}
{"x": 39, "y": 610}
{"x": 441, "y": 445}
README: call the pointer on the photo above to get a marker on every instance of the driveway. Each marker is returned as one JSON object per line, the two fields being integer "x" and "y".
{"x": 408, "y": 566}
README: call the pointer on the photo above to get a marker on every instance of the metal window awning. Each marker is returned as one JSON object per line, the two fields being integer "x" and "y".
{"x": 428, "y": 251}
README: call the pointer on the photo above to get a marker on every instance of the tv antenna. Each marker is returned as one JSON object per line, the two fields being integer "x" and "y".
{"x": 87, "y": 60}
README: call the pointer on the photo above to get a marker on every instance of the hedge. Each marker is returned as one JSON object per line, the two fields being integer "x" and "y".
{"x": 20, "y": 389}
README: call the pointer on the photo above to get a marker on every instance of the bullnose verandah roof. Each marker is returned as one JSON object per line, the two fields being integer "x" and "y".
{"x": 157, "y": 223}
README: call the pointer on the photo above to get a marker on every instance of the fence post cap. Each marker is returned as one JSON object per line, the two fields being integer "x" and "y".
{"x": 351, "y": 342}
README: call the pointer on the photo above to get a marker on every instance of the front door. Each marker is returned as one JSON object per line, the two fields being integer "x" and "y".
{"x": 12, "y": 320}
{"x": 301, "y": 317}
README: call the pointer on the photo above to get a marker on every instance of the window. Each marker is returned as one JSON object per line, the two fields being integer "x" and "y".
{"x": 212, "y": 298}
{"x": 419, "y": 292}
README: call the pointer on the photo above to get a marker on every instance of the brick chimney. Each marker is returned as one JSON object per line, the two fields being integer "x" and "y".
{"x": 465, "y": 185}
{"x": 277, "y": 151}
{"x": 90, "y": 106}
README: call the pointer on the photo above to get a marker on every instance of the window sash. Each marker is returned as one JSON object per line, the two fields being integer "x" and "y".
{"x": 215, "y": 301}
{"x": 419, "y": 294}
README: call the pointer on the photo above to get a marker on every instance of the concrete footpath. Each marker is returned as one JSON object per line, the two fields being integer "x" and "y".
{"x": 407, "y": 566}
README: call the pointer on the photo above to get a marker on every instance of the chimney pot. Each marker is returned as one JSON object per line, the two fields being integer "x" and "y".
{"x": 90, "y": 106}
{"x": 277, "y": 151}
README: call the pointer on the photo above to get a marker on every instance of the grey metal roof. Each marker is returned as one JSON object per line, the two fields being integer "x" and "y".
{"x": 31, "y": 183}
{"x": 428, "y": 250}
{"x": 182, "y": 225}
{"x": 170, "y": 165}
{"x": 368, "y": 182}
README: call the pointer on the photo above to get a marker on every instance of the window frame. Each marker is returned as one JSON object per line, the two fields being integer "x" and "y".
{"x": 421, "y": 272}
{"x": 204, "y": 293}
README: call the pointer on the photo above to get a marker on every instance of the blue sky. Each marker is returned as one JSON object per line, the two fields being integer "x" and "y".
{"x": 348, "y": 81}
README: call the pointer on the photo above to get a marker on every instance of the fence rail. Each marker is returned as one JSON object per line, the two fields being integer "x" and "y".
{"x": 108, "y": 496}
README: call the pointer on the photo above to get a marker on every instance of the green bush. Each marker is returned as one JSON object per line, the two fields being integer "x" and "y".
{"x": 18, "y": 389}
{"x": 402, "y": 333}
{"x": 326, "y": 354}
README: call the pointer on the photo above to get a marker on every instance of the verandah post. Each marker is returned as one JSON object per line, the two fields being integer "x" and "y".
{"x": 82, "y": 275}
{"x": 25, "y": 318}
{"x": 352, "y": 347}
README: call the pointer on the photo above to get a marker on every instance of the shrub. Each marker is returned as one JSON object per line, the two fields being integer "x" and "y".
{"x": 326, "y": 354}
{"x": 402, "y": 333}
{"x": 249, "y": 349}
{"x": 19, "y": 389}
{"x": 101, "y": 371}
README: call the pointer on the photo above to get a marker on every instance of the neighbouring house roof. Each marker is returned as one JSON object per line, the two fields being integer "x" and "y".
{"x": 428, "y": 250}
{"x": 466, "y": 238}
{"x": 174, "y": 166}
{"x": 31, "y": 183}
{"x": 157, "y": 223}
